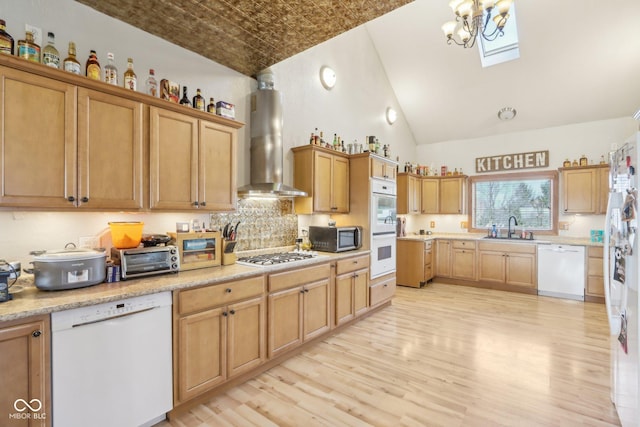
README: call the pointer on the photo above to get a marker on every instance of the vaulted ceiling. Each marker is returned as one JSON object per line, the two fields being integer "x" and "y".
{"x": 579, "y": 59}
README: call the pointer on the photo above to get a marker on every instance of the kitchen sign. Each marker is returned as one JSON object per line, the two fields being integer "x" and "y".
{"x": 505, "y": 162}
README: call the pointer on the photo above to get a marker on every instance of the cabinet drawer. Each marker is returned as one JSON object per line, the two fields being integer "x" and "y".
{"x": 381, "y": 292}
{"x": 289, "y": 279}
{"x": 521, "y": 248}
{"x": 595, "y": 267}
{"x": 595, "y": 251}
{"x": 428, "y": 272}
{"x": 428, "y": 257}
{"x": 428, "y": 245}
{"x": 352, "y": 264}
{"x": 198, "y": 299}
{"x": 463, "y": 244}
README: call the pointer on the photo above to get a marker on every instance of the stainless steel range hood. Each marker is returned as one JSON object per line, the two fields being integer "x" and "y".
{"x": 266, "y": 148}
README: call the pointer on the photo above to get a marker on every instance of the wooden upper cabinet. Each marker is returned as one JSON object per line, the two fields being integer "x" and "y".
{"x": 173, "y": 147}
{"x": 383, "y": 169}
{"x": 217, "y": 167}
{"x": 409, "y": 194}
{"x": 585, "y": 189}
{"x": 452, "y": 195}
{"x": 324, "y": 175}
{"x": 110, "y": 135}
{"x": 430, "y": 199}
{"x": 38, "y": 137}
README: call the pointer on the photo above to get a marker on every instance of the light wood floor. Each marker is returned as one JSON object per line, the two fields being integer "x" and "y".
{"x": 443, "y": 355}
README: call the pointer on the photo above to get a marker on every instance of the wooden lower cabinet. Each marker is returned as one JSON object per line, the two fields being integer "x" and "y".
{"x": 511, "y": 264}
{"x": 219, "y": 333}
{"x": 25, "y": 363}
{"x": 352, "y": 288}
{"x": 382, "y": 289}
{"x": 443, "y": 258}
{"x": 463, "y": 259}
{"x": 414, "y": 265}
{"x": 299, "y": 307}
{"x": 594, "y": 290}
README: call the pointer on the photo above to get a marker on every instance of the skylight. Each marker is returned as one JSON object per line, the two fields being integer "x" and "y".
{"x": 503, "y": 48}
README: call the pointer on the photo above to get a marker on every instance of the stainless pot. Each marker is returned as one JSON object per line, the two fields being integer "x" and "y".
{"x": 68, "y": 268}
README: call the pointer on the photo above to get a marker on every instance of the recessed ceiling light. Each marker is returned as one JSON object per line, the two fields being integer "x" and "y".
{"x": 506, "y": 113}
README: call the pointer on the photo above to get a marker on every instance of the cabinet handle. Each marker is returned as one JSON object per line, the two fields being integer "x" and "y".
{"x": 73, "y": 199}
{"x": 228, "y": 290}
{"x": 85, "y": 199}
{"x": 306, "y": 290}
{"x": 203, "y": 204}
{"x": 196, "y": 204}
{"x": 334, "y": 209}
{"x": 232, "y": 312}
{"x": 36, "y": 333}
{"x": 302, "y": 291}
{"x": 384, "y": 286}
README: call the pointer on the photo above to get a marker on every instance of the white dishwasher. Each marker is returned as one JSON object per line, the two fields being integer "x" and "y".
{"x": 111, "y": 363}
{"x": 561, "y": 271}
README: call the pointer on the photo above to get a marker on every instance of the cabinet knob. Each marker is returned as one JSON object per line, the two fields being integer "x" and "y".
{"x": 73, "y": 199}
{"x": 232, "y": 312}
{"x": 228, "y": 290}
{"x": 224, "y": 313}
{"x": 85, "y": 199}
{"x": 196, "y": 204}
{"x": 203, "y": 204}
{"x": 302, "y": 291}
{"x": 385, "y": 285}
{"x": 36, "y": 333}
{"x": 306, "y": 290}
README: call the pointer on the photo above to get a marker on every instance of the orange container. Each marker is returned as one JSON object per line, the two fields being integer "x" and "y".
{"x": 126, "y": 235}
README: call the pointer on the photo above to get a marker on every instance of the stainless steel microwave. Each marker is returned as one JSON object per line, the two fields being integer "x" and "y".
{"x": 335, "y": 239}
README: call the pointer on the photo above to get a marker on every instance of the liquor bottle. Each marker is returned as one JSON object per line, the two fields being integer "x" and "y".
{"x": 130, "y": 80}
{"x": 50, "y": 55}
{"x": 28, "y": 49}
{"x": 92, "y": 67}
{"x": 151, "y": 85}
{"x": 312, "y": 139}
{"x": 70, "y": 63}
{"x": 198, "y": 101}
{"x": 211, "y": 108}
{"x": 334, "y": 145}
{"x": 110, "y": 71}
{"x": 185, "y": 98}
{"x": 6, "y": 41}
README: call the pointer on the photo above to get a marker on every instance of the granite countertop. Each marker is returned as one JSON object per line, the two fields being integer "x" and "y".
{"x": 29, "y": 300}
{"x": 566, "y": 240}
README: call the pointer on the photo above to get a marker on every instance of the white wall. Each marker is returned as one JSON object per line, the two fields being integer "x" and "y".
{"x": 353, "y": 109}
{"x": 592, "y": 139}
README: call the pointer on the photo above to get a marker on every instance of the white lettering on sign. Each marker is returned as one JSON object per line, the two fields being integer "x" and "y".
{"x": 535, "y": 159}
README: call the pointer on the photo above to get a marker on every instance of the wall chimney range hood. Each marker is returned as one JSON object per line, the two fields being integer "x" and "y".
{"x": 266, "y": 147}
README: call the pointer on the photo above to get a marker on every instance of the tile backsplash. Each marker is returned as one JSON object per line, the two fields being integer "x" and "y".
{"x": 264, "y": 223}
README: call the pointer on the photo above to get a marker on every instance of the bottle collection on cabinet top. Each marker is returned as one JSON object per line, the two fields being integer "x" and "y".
{"x": 50, "y": 56}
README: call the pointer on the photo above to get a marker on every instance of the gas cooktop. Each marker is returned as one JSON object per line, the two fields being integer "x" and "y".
{"x": 276, "y": 258}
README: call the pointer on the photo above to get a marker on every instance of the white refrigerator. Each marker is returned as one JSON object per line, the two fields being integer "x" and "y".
{"x": 621, "y": 257}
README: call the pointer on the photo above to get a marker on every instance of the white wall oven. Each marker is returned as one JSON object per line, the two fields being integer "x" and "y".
{"x": 383, "y": 227}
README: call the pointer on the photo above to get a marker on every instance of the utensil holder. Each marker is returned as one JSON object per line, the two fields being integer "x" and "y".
{"x": 228, "y": 255}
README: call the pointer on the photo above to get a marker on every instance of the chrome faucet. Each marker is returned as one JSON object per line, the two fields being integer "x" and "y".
{"x": 515, "y": 222}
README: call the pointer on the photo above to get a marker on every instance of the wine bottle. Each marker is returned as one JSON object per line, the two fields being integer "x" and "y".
{"x": 185, "y": 98}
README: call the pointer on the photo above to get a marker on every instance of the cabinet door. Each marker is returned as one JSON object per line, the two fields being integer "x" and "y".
{"x": 201, "y": 353}
{"x": 217, "y": 167}
{"x": 409, "y": 262}
{"x": 317, "y": 317}
{"x": 521, "y": 270}
{"x": 463, "y": 264}
{"x": 285, "y": 320}
{"x": 579, "y": 193}
{"x": 430, "y": 198}
{"x": 38, "y": 138}
{"x": 360, "y": 292}
{"x": 173, "y": 160}
{"x": 377, "y": 168}
{"x": 26, "y": 368}
{"x": 340, "y": 185}
{"x": 322, "y": 182}
{"x": 491, "y": 266}
{"x": 414, "y": 194}
{"x": 451, "y": 195}
{"x": 344, "y": 298}
{"x": 443, "y": 258}
{"x": 246, "y": 330}
{"x": 109, "y": 136}
{"x": 603, "y": 190}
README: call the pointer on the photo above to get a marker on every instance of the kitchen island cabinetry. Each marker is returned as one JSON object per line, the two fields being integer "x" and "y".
{"x": 594, "y": 291}
{"x": 508, "y": 265}
{"x": 299, "y": 307}
{"x": 201, "y": 156}
{"x": 409, "y": 197}
{"x": 324, "y": 175}
{"x": 25, "y": 362}
{"x": 352, "y": 288}
{"x": 463, "y": 259}
{"x": 219, "y": 332}
{"x": 585, "y": 189}
{"x": 414, "y": 262}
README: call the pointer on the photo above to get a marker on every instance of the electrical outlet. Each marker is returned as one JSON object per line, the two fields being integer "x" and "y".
{"x": 563, "y": 225}
{"x": 432, "y": 224}
{"x": 88, "y": 242}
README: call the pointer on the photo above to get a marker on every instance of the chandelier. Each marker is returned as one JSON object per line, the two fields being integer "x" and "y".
{"x": 469, "y": 20}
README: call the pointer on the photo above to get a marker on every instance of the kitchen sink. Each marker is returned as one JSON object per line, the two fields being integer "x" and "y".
{"x": 513, "y": 239}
